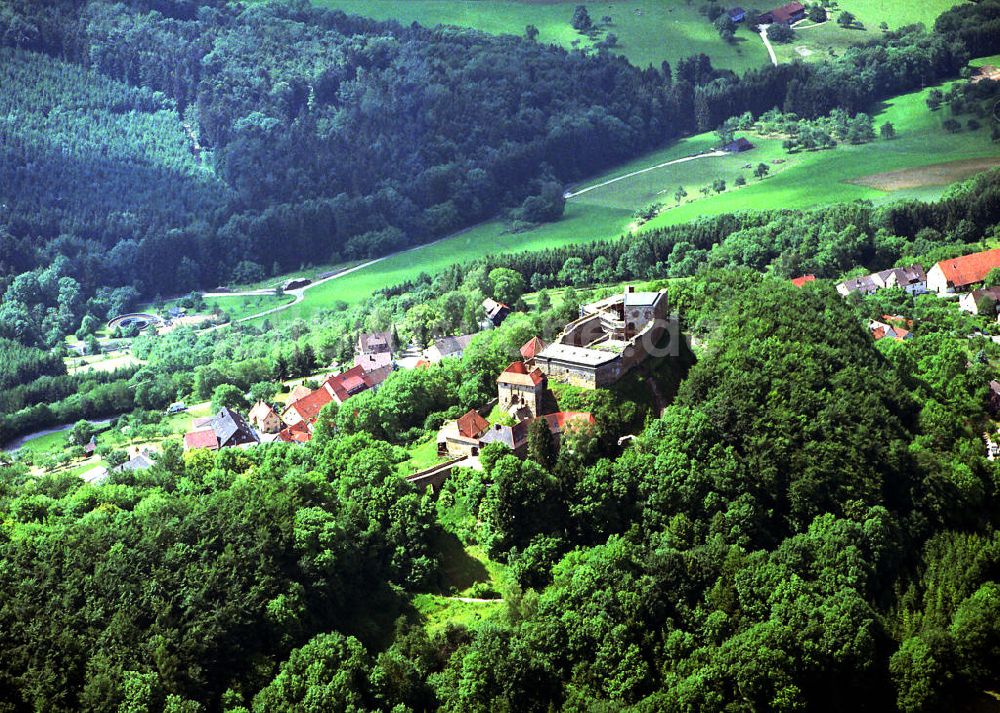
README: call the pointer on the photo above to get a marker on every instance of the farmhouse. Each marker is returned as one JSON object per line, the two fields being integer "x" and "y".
{"x": 227, "y": 429}
{"x": 784, "y": 15}
{"x": 295, "y": 283}
{"x": 738, "y": 146}
{"x": 960, "y": 273}
{"x": 912, "y": 279}
{"x": 611, "y": 337}
{"x": 980, "y": 301}
{"x": 264, "y": 418}
{"x": 447, "y": 347}
{"x": 521, "y": 390}
{"x": 496, "y": 312}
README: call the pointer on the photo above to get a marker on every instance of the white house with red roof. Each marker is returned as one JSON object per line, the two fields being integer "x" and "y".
{"x": 960, "y": 273}
{"x": 521, "y": 389}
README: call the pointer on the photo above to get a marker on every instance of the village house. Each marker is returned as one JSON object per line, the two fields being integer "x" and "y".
{"x": 784, "y": 15}
{"x": 892, "y": 327}
{"x": 960, "y": 273}
{"x": 984, "y": 301}
{"x": 227, "y": 429}
{"x": 376, "y": 367}
{"x": 496, "y": 312}
{"x": 264, "y": 418}
{"x": 460, "y": 438}
{"x": 521, "y": 390}
{"x": 737, "y": 14}
{"x": 800, "y": 282}
{"x": 298, "y": 391}
{"x": 140, "y": 459}
{"x": 376, "y": 343}
{"x": 611, "y": 337}
{"x": 90, "y": 446}
{"x": 447, "y": 347}
{"x": 302, "y": 413}
{"x": 911, "y": 279}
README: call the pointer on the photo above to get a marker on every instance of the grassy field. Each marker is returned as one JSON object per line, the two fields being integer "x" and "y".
{"x": 813, "y": 43}
{"x": 238, "y": 307}
{"x": 805, "y": 179}
{"x": 648, "y": 31}
{"x": 467, "y": 572}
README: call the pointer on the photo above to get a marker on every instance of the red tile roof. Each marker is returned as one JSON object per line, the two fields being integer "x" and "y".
{"x": 308, "y": 407}
{"x": 517, "y": 373}
{"x": 204, "y": 438}
{"x": 800, "y": 281}
{"x": 299, "y": 433}
{"x": 786, "y": 12}
{"x": 351, "y": 382}
{"x": 969, "y": 269}
{"x": 472, "y": 424}
{"x": 532, "y": 347}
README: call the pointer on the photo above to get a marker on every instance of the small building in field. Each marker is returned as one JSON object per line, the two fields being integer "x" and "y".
{"x": 176, "y": 407}
{"x": 981, "y": 302}
{"x": 891, "y": 327}
{"x": 521, "y": 390}
{"x": 496, "y": 312}
{"x": 296, "y": 283}
{"x": 737, "y": 14}
{"x": 264, "y": 418}
{"x": 95, "y": 476}
{"x": 960, "y": 273}
{"x": 140, "y": 459}
{"x": 784, "y": 15}
{"x": 90, "y": 446}
{"x": 801, "y": 281}
{"x": 738, "y": 145}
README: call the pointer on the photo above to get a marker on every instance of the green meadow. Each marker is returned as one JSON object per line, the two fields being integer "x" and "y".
{"x": 814, "y": 42}
{"x": 805, "y": 179}
{"x": 648, "y": 32}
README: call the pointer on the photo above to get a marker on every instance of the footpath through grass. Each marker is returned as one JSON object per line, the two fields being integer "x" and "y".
{"x": 648, "y": 31}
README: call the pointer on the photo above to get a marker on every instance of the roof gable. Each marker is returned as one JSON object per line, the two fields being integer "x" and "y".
{"x": 471, "y": 425}
{"x": 969, "y": 269}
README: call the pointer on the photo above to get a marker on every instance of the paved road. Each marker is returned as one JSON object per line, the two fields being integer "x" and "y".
{"x": 767, "y": 44}
{"x": 569, "y": 195}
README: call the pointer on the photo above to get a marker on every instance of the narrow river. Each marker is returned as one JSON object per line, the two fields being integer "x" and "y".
{"x": 21, "y": 440}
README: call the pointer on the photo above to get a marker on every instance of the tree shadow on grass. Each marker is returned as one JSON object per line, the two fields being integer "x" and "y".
{"x": 459, "y": 570}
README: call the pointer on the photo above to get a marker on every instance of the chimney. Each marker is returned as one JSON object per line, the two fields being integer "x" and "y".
{"x": 629, "y": 289}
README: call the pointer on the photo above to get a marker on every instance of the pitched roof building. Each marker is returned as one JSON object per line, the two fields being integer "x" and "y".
{"x": 264, "y": 418}
{"x": 960, "y": 273}
{"x": 228, "y": 429}
{"x": 531, "y": 349}
{"x": 496, "y": 312}
{"x": 911, "y": 279}
{"x": 375, "y": 343}
{"x": 984, "y": 301}
{"x": 447, "y": 347}
{"x": 801, "y": 281}
{"x": 784, "y": 15}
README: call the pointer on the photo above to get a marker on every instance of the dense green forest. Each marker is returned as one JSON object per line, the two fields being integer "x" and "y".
{"x": 811, "y": 499}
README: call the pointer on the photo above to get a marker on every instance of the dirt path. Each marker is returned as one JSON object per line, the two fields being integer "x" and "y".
{"x": 568, "y": 195}
{"x": 767, "y": 44}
